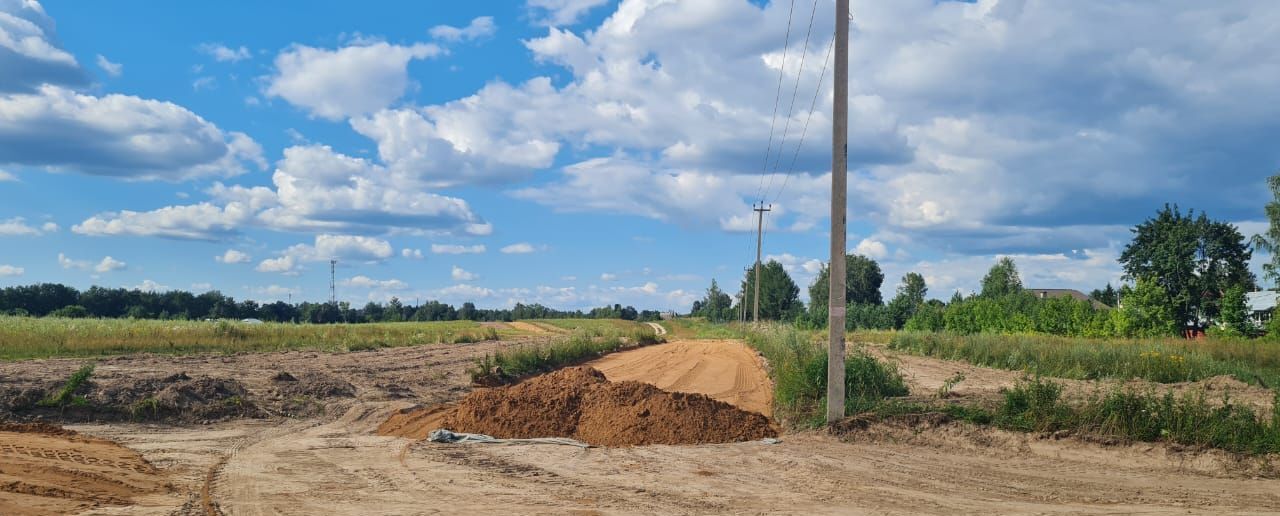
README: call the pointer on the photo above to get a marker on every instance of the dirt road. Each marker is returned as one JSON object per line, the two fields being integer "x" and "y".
{"x": 339, "y": 468}
{"x": 658, "y": 329}
{"x": 726, "y": 370}
{"x": 332, "y": 463}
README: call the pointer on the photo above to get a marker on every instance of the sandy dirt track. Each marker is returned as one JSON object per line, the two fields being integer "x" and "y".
{"x": 335, "y": 464}
{"x": 339, "y": 468}
{"x": 726, "y": 370}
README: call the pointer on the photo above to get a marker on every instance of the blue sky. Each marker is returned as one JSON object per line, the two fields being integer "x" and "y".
{"x": 587, "y": 152}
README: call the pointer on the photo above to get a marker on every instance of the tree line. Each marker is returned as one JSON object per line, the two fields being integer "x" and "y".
{"x": 1189, "y": 273}
{"x": 57, "y": 300}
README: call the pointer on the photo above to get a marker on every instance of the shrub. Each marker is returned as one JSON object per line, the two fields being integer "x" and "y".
{"x": 70, "y": 312}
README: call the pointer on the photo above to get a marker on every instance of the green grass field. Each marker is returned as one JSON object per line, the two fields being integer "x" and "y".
{"x": 25, "y": 337}
{"x": 1159, "y": 360}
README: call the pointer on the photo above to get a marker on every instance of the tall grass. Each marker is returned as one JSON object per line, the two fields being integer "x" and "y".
{"x": 798, "y": 367}
{"x": 1157, "y": 360}
{"x": 1036, "y": 406}
{"x": 512, "y": 364}
{"x": 26, "y": 337}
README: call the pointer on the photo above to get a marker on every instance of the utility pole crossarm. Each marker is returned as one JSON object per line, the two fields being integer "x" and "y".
{"x": 839, "y": 192}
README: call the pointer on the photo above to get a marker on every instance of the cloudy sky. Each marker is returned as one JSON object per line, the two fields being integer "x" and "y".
{"x": 583, "y": 152}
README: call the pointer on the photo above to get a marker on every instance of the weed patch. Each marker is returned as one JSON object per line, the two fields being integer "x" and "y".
{"x": 67, "y": 395}
{"x": 1036, "y": 406}
{"x": 798, "y": 367}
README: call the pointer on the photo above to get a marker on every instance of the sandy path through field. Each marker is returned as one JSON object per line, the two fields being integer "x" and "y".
{"x": 530, "y": 327}
{"x": 726, "y": 370}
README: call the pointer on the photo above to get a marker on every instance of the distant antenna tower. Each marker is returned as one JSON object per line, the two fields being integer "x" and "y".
{"x": 333, "y": 290}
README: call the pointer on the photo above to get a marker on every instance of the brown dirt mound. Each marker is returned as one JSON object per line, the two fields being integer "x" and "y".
{"x": 172, "y": 398}
{"x": 579, "y": 402}
{"x": 45, "y": 470}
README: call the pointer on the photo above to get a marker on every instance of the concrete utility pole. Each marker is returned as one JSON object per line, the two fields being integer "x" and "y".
{"x": 839, "y": 191}
{"x": 759, "y": 236}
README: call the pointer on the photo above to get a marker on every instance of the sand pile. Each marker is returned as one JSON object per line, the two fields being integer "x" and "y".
{"x": 45, "y": 469}
{"x": 579, "y": 402}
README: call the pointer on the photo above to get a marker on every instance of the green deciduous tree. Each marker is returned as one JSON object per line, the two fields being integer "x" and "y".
{"x": 1106, "y": 296}
{"x": 908, "y": 300}
{"x": 1269, "y": 242}
{"x": 1002, "y": 279}
{"x": 1235, "y": 312}
{"x": 1194, "y": 259}
{"x": 1148, "y": 312}
{"x": 716, "y": 306}
{"x": 862, "y": 284}
{"x": 779, "y": 295}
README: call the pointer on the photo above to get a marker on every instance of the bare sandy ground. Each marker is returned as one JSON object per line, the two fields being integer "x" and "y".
{"x": 533, "y": 327}
{"x": 726, "y": 370}
{"x": 47, "y": 471}
{"x": 335, "y": 464}
{"x": 341, "y": 468}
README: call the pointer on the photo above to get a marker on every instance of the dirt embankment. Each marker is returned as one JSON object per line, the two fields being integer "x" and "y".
{"x": 210, "y": 388}
{"x": 726, "y": 370}
{"x": 48, "y": 470}
{"x": 579, "y": 402}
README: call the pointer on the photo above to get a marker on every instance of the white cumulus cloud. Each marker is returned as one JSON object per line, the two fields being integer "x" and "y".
{"x": 457, "y": 249}
{"x": 18, "y": 226}
{"x": 109, "y": 264}
{"x": 480, "y": 27}
{"x": 519, "y": 248}
{"x": 353, "y": 80}
{"x": 362, "y": 281}
{"x": 459, "y": 274}
{"x": 233, "y": 256}
{"x": 110, "y": 68}
{"x": 223, "y": 53}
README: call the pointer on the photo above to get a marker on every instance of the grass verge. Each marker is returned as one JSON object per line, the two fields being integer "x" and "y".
{"x": 1157, "y": 360}
{"x": 511, "y": 365}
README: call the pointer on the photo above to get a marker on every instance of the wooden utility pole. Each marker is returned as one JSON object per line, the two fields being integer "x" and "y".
{"x": 759, "y": 238}
{"x": 839, "y": 192}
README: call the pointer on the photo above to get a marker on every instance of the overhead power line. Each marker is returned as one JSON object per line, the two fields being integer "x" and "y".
{"x": 777, "y": 95}
{"x": 812, "y": 107}
{"x": 795, "y": 90}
